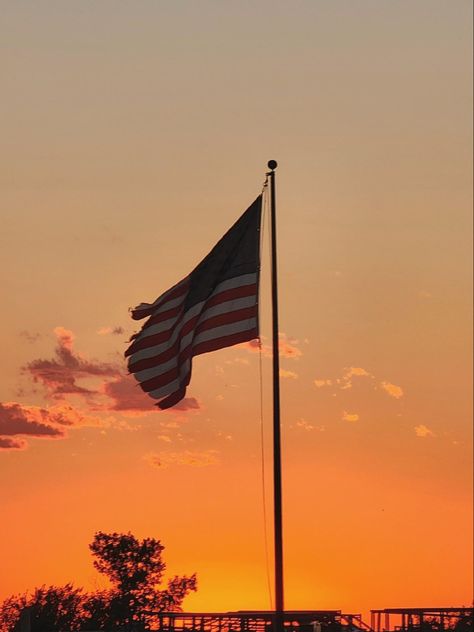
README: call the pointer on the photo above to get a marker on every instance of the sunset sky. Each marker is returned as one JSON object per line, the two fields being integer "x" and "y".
{"x": 134, "y": 135}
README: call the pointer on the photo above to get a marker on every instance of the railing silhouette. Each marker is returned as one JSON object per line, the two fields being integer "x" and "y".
{"x": 386, "y": 620}
{"x": 422, "y": 619}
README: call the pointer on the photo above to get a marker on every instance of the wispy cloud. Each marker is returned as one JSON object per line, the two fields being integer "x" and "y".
{"x": 30, "y": 336}
{"x": 165, "y": 438}
{"x": 352, "y": 374}
{"x": 186, "y": 457}
{"x": 59, "y": 374}
{"x": 350, "y": 416}
{"x": 288, "y": 347}
{"x": 16, "y": 419}
{"x": 115, "y": 331}
{"x": 128, "y": 398}
{"x": 288, "y": 374}
{"x": 305, "y": 425}
{"x": 392, "y": 389}
{"x": 10, "y": 443}
{"x": 423, "y": 431}
{"x": 321, "y": 383}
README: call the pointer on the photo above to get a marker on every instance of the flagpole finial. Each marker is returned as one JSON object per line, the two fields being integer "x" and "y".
{"x": 272, "y": 164}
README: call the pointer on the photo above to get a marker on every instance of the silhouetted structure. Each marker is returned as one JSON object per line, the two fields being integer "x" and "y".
{"x": 422, "y": 619}
{"x": 249, "y": 621}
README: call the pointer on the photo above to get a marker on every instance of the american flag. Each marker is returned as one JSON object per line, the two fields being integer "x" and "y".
{"x": 215, "y": 306}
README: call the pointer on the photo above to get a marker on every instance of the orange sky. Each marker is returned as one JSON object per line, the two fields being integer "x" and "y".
{"x": 134, "y": 137}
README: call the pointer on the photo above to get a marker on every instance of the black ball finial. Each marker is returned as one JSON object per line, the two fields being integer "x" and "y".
{"x": 272, "y": 164}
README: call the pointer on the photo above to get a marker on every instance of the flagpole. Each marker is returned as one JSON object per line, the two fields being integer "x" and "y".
{"x": 277, "y": 502}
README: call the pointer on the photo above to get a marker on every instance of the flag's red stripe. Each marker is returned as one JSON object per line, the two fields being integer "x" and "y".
{"x": 192, "y": 350}
{"x": 210, "y": 323}
{"x": 162, "y": 316}
{"x": 149, "y": 363}
{"x": 229, "y": 295}
{"x": 172, "y": 399}
{"x": 162, "y": 336}
{"x": 217, "y": 321}
{"x": 160, "y": 380}
{"x": 156, "y": 339}
{"x": 227, "y": 318}
{"x": 171, "y": 313}
{"x": 205, "y": 347}
{"x": 139, "y": 313}
{"x": 225, "y": 341}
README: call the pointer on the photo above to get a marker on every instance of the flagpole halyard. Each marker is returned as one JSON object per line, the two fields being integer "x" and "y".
{"x": 277, "y": 495}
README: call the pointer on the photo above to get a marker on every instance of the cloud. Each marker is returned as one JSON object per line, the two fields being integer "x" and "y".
{"x": 115, "y": 331}
{"x": 128, "y": 398}
{"x": 187, "y": 403}
{"x": 8, "y": 443}
{"x": 392, "y": 390}
{"x": 16, "y": 419}
{"x": 349, "y": 372}
{"x": 164, "y": 438}
{"x": 29, "y": 336}
{"x": 59, "y": 374}
{"x": 302, "y": 423}
{"x": 350, "y": 416}
{"x": 238, "y": 361}
{"x": 288, "y": 347}
{"x": 306, "y": 426}
{"x": 423, "y": 431}
{"x": 321, "y": 383}
{"x": 289, "y": 374}
{"x": 19, "y": 420}
{"x": 186, "y": 457}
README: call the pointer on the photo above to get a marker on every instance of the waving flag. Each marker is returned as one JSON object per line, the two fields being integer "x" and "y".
{"x": 215, "y": 306}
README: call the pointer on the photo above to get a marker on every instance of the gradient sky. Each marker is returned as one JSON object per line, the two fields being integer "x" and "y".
{"x": 134, "y": 134}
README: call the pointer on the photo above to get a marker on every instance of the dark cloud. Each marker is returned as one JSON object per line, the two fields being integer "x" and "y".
{"x": 188, "y": 403}
{"x": 128, "y": 398}
{"x": 59, "y": 375}
{"x": 287, "y": 347}
{"x": 8, "y": 443}
{"x": 30, "y": 336}
{"x": 19, "y": 420}
{"x": 115, "y": 331}
{"x": 16, "y": 419}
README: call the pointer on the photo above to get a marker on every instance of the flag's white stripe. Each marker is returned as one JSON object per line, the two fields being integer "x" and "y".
{"x": 230, "y": 284}
{"x": 174, "y": 302}
{"x": 165, "y": 325}
{"x": 210, "y": 334}
{"x": 149, "y": 352}
{"x": 221, "y": 308}
{"x": 173, "y": 386}
{"x": 225, "y": 330}
{"x": 243, "y": 279}
{"x": 216, "y": 310}
{"x": 161, "y": 298}
{"x": 205, "y": 336}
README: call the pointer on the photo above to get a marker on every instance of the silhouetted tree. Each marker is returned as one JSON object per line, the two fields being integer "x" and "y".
{"x": 464, "y": 623}
{"x": 10, "y": 611}
{"x": 50, "y": 608}
{"x": 135, "y": 569}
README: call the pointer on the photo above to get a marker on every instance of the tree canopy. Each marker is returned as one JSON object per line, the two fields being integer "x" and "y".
{"x": 135, "y": 570}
